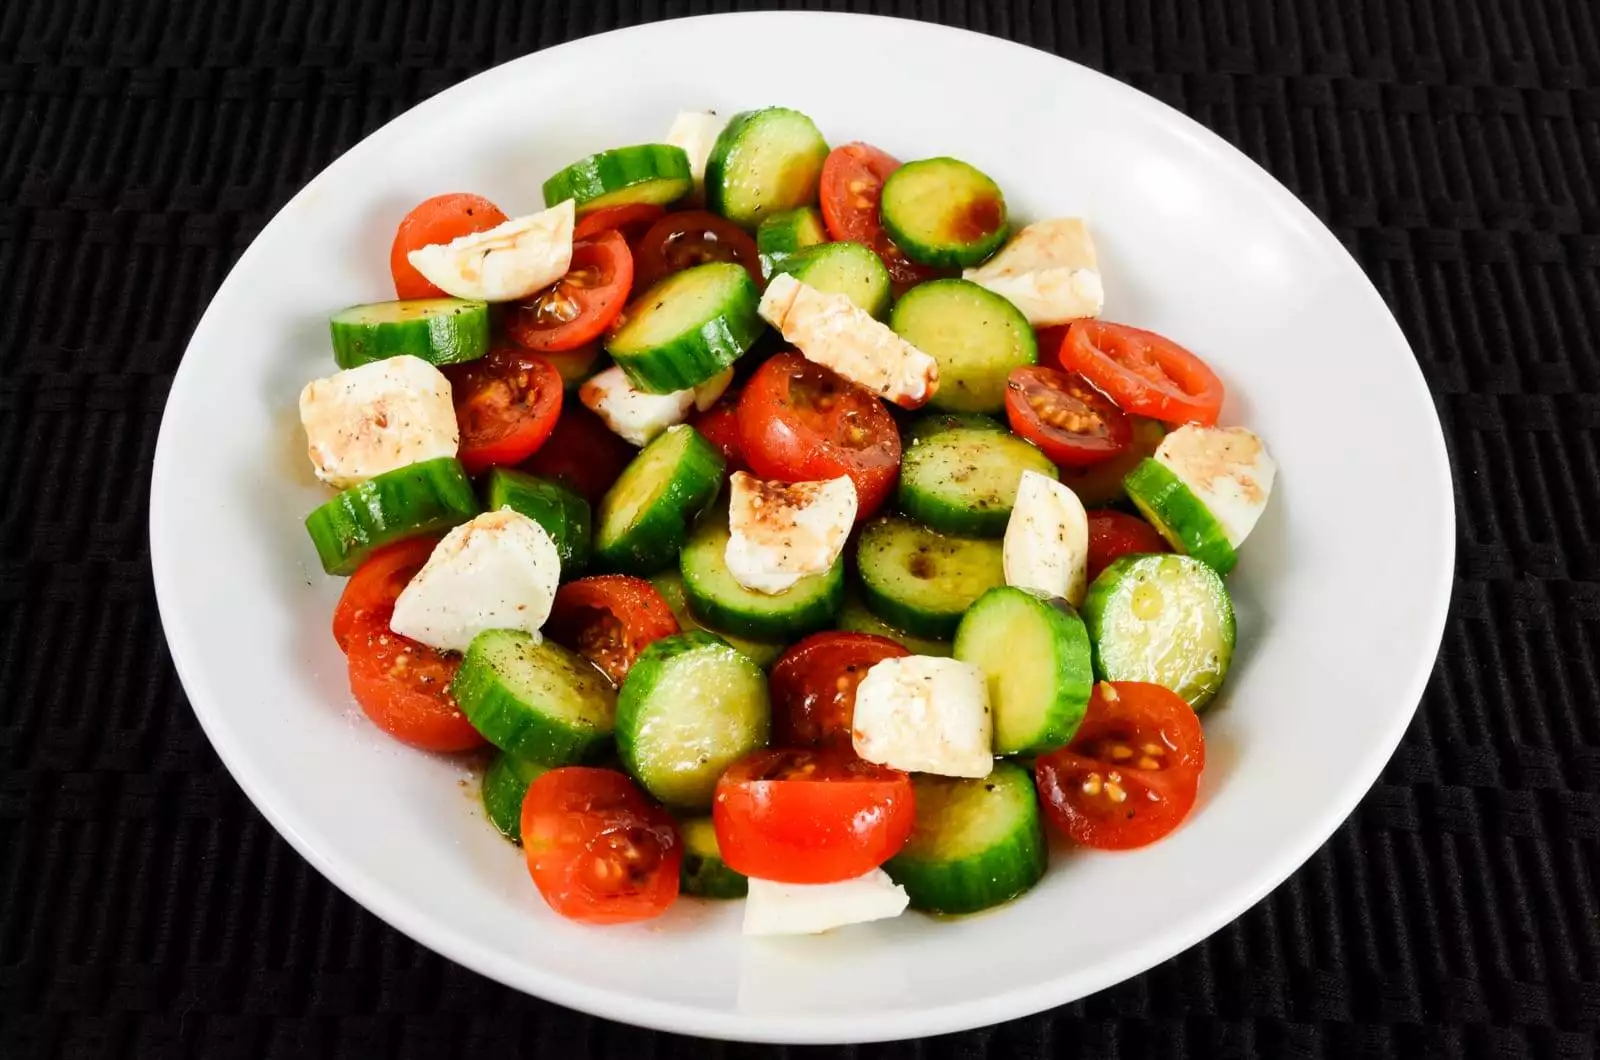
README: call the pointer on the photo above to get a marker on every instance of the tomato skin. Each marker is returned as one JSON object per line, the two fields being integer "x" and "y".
{"x": 1072, "y": 423}
{"x": 436, "y": 220}
{"x": 372, "y": 590}
{"x": 581, "y": 452}
{"x": 694, "y": 237}
{"x": 1131, "y": 773}
{"x": 598, "y": 849}
{"x": 801, "y": 422}
{"x": 814, "y": 686}
{"x": 1144, "y": 373}
{"x": 631, "y": 219}
{"x": 1114, "y": 534}
{"x": 507, "y": 403}
{"x": 850, "y": 190}
{"x": 404, "y": 687}
{"x": 609, "y": 619}
{"x": 576, "y": 309}
{"x": 719, "y": 425}
{"x": 810, "y": 816}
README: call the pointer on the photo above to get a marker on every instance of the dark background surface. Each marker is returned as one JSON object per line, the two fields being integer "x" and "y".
{"x": 147, "y": 910}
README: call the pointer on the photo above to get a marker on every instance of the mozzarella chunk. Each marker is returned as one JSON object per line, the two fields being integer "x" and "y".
{"x": 835, "y": 332}
{"x": 696, "y": 131}
{"x": 497, "y": 571}
{"x": 780, "y": 532}
{"x": 1048, "y": 270}
{"x": 637, "y": 416}
{"x": 381, "y": 416}
{"x": 1047, "y": 540}
{"x": 925, "y": 715}
{"x": 509, "y": 261}
{"x": 1227, "y": 468}
{"x": 808, "y": 908}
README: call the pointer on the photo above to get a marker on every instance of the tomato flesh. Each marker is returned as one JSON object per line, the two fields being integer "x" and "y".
{"x": 582, "y": 453}
{"x": 814, "y": 686}
{"x": 850, "y": 191}
{"x": 372, "y": 590}
{"x": 1114, "y": 534}
{"x": 800, "y": 422}
{"x": 1144, "y": 373}
{"x": 1130, "y": 774}
{"x": 437, "y": 220}
{"x": 609, "y": 619}
{"x": 506, "y": 403}
{"x": 597, "y": 848}
{"x": 1072, "y": 423}
{"x": 683, "y": 240}
{"x": 810, "y": 816}
{"x": 577, "y": 308}
{"x": 719, "y": 425}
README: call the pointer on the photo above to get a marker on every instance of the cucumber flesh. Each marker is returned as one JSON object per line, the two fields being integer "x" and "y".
{"x": 670, "y": 585}
{"x": 687, "y": 328}
{"x": 922, "y": 581}
{"x": 944, "y": 212}
{"x": 782, "y": 235}
{"x": 712, "y": 590}
{"x": 533, "y": 698}
{"x": 438, "y": 330}
{"x": 976, "y": 336}
{"x": 656, "y": 174}
{"x": 1038, "y": 705}
{"x": 563, "y": 514}
{"x": 505, "y": 784}
{"x": 763, "y": 162}
{"x": 855, "y": 618}
{"x": 849, "y": 269}
{"x": 703, "y": 873}
{"x": 424, "y": 498}
{"x": 1180, "y": 517}
{"x": 964, "y": 480}
{"x": 644, "y": 518}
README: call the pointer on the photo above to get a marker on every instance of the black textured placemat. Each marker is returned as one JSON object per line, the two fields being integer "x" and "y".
{"x": 147, "y": 910}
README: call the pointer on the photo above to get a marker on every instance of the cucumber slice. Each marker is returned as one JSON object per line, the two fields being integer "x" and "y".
{"x": 656, "y": 174}
{"x": 976, "y": 336}
{"x": 944, "y": 212}
{"x": 644, "y": 517}
{"x": 687, "y": 328}
{"x": 425, "y": 498}
{"x": 975, "y": 844}
{"x": 1099, "y": 485}
{"x": 438, "y": 330}
{"x": 505, "y": 783}
{"x": 855, "y": 618}
{"x": 534, "y": 698}
{"x": 921, "y": 581}
{"x": 764, "y": 161}
{"x": 1163, "y": 619}
{"x": 688, "y": 709}
{"x": 849, "y": 269}
{"x": 1038, "y": 705}
{"x": 782, "y": 235}
{"x": 963, "y": 480}
{"x": 563, "y": 514}
{"x": 928, "y": 424}
{"x": 712, "y": 591}
{"x": 1181, "y": 517}
{"x": 669, "y": 583}
{"x": 703, "y": 873}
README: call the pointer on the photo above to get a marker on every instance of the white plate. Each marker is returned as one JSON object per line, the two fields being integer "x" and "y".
{"x": 1341, "y": 593}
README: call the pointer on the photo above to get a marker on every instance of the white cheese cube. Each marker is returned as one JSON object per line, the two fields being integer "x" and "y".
{"x": 497, "y": 571}
{"x": 1227, "y": 468}
{"x": 696, "y": 131}
{"x": 636, "y": 416}
{"x": 780, "y": 532}
{"x": 925, "y": 715}
{"x": 1047, "y": 540}
{"x": 376, "y": 418}
{"x": 509, "y": 261}
{"x": 835, "y": 332}
{"x": 1048, "y": 270}
{"x": 808, "y": 908}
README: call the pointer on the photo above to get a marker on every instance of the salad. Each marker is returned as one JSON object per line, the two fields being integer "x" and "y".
{"x": 789, "y": 524}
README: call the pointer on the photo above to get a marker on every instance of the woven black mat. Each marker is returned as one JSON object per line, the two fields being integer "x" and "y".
{"x": 148, "y": 911}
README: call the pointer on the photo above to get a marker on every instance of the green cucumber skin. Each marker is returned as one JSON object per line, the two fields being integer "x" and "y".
{"x": 864, "y": 280}
{"x": 781, "y": 236}
{"x": 854, "y": 617}
{"x": 563, "y": 514}
{"x": 426, "y": 498}
{"x": 669, "y": 584}
{"x": 939, "y": 883}
{"x": 660, "y": 531}
{"x": 703, "y": 873}
{"x": 790, "y": 182}
{"x": 713, "y": 593}
{"x": 505, "y": 783}
{"x": 923, "y": 246}
{"x": 929, "y": 493}
{"x": 1069, "y": 668}
{"x": 1181, "y": 517}
{"x": 608, "y": 174}
{"x": 521, "y": 729}
{"x": 456, "y": 333}
{"x": 937, "y": 623}
{"x": 974, "y": 362}
{"x": 700, "y": 352}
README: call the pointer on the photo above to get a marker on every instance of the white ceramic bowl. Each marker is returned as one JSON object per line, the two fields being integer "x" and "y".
{"x": 1341, "y": 592}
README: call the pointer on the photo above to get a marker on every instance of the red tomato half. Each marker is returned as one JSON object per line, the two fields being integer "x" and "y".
{"x": 1142, "y": 372}
{"x": 694, "y": 237}
{"x": 506, "y": 406}
{"x": 404, "y": 687}
{"x": 598, "y": 849}
{"x": 811, "y": 816}
{"x": 1114, "y": 534}
{"x": 577, "y": 308}
{"x": 719, "y": 425}
{"x": 1130, "y": 774}
{"x": 814, "y": 686}
{"x": 436, "y": 220}
{"x": 609, "y": 619}
{"x": 370, "y": 593}
{"x": 631, "y": 219}
{"x": 850, "y": 190}
{"x": 1072, "y": 422}
{"x": 800, "y": 422}
{"x": 581, "y": 452}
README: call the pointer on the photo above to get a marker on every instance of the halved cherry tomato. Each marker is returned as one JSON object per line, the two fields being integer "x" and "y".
{"x": 850, "y": 190}
{"x": 719, "y": 425}
{"x": 631, "y": 219}
{"x": 404, "y": 687}
{"x": 581, "y": 452}
{"x": 1144, "y": 373}
{"x": 609, "y": 619}
{"x": 598, "y": 849}
{"x": 577, "y": 308}
{"x": 694, "y": 237}
{"x": 800, "y": 422}
{"x": 436, "y": 220}
{"x": 1072, "y": 422}
{"x": 373, "y": 588}
{"x": 1114, "y": 534}
{"x": 1130, "y": 774}
{"x": 810, "y": 816}
{"x": 814, "y": 686}
{"x": 507, "y": 403}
